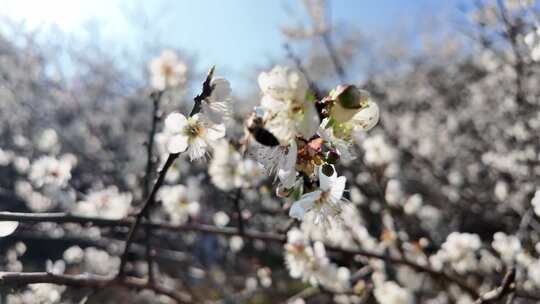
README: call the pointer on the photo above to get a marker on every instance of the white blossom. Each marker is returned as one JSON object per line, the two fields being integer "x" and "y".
{"x": 325, "y": 203}
{"x": 107, "y": 203}
{"x": 194, "y": 134}
{"x": 167, "y": 71}
{"x": 178, "y": 203}
{"x": 49, "y": 170}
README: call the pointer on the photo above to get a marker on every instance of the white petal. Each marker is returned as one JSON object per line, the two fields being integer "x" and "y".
{"x": 310, "y": 122}
{"x": 197, "y": 148}
{"x": 7, "y": 228}
{"x": 215, "y": 132}
{"x": 177, "y": 144}
{"x": 300, "y": 207}
{"x": 336, "y": 192}
{"x": 175, "y": 122}
{"x": 221, "y": 89}
{"x": 287, "y": 167}
{"x": 326, "y": 182}
{"x": 366, "y": 118}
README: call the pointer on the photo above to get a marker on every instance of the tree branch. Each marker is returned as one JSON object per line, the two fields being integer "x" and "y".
{"x": 89, "y": 281}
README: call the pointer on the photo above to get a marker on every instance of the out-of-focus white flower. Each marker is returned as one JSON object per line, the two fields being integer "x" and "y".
{"x": 459, "y": 250}
{"x": 393, "y": 193}
{"x": 21, "y": 164}
{"x": 100, "y": 262}
{"x": 283, "y": 83}
{"x": 107, "y": 203}
{"x": 5, "y": 157}
{"x": 167, "y": 71}
{"x": 236, "y": 243}
{"x": 48, "y": 170}
{"x": 178, "y": 204}
{"x": 194, "y": 134}
{"x": 508, "y": 246}
{"x": 217, "y": 106}
{"x": 8, "y": 227}
{"x": 229, "y": 170}
{"x": 390, "y": 292}
{"x": 413, "y": 204}
{"x": 325, "y": 203}
{"x": 57, "y": 267}
{"x": 73, "y": 255}
{"x": 265, "y": 278}
{"x": 48, "y": 140}
{"x": 221, "y": 219}
{"x": 536, "y": 202}
{"x": 377, "y": 151}
{"x": 532, "y": 40}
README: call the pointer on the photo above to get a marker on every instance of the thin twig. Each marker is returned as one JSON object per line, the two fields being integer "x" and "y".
{"x": 507, "y": 286}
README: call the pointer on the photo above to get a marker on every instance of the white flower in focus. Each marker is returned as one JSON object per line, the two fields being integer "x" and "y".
{"x": 167, "y": 71}
{"x": 283, "y": 83}
{"x": 508, "y": 246}
{"x": 48, "y": 170}
{"x": 390, "y": 292}
{"x": 280, "y": 160}
{"x": 194, "y": 134}
{"x": 7, "y": 228}
{"x": 107, "y": 203}
{"x": 325, "y": 203}
{"x": 177, "y": 203}
{"x": 217, "y": 106}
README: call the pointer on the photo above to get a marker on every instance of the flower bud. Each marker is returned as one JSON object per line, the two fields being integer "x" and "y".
{"x": 348, "y": 100}
{"x": 332, "y": 157}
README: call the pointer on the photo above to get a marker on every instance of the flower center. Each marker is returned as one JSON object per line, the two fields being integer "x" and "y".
{"x": 193, "y": 129}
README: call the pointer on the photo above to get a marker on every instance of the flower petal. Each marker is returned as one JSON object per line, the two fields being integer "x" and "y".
{"x": 175, "y": 122}
{"x": 310, "y": 122}
{"x": 326, "y": 182}
{"x": 177, "y": 144}
{"x": 7, "y": 228}
{"x": 336, "y": 192}
{"x": 215, "y": 132}
{"x": 300, "y": 207}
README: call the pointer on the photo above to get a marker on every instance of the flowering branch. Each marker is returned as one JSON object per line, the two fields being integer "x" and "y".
{"x": 150, "y": 201}
{"x": 88, "y": 281}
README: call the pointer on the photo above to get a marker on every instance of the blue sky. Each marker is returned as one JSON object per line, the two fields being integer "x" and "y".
{"x": 233, "y": 34}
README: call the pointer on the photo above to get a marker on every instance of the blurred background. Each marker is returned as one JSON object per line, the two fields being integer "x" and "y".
{"x": 456, "y": 149}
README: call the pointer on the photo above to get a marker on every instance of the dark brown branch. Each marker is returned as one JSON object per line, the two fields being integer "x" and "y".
{"x": 229, "y": 231}
{"x": 156, "y": 97}
{"x": 15, "y": 279}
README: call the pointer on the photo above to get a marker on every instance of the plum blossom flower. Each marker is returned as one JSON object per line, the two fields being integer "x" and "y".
{"x": 325, "y": 203}
{"x": 288, "y": 112}
{"x": 107, "y": 203}
{"x": 217, "y": 106}
{"x": 167, "y": 71}
{"x": 283, "y": 83}
{"x": 48, "y": 170}
{"x": 196, "y": 134}
{"x": 280, "y": 160}
{"x": 178, "y": 203}
{"x": 532, "y": 40}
